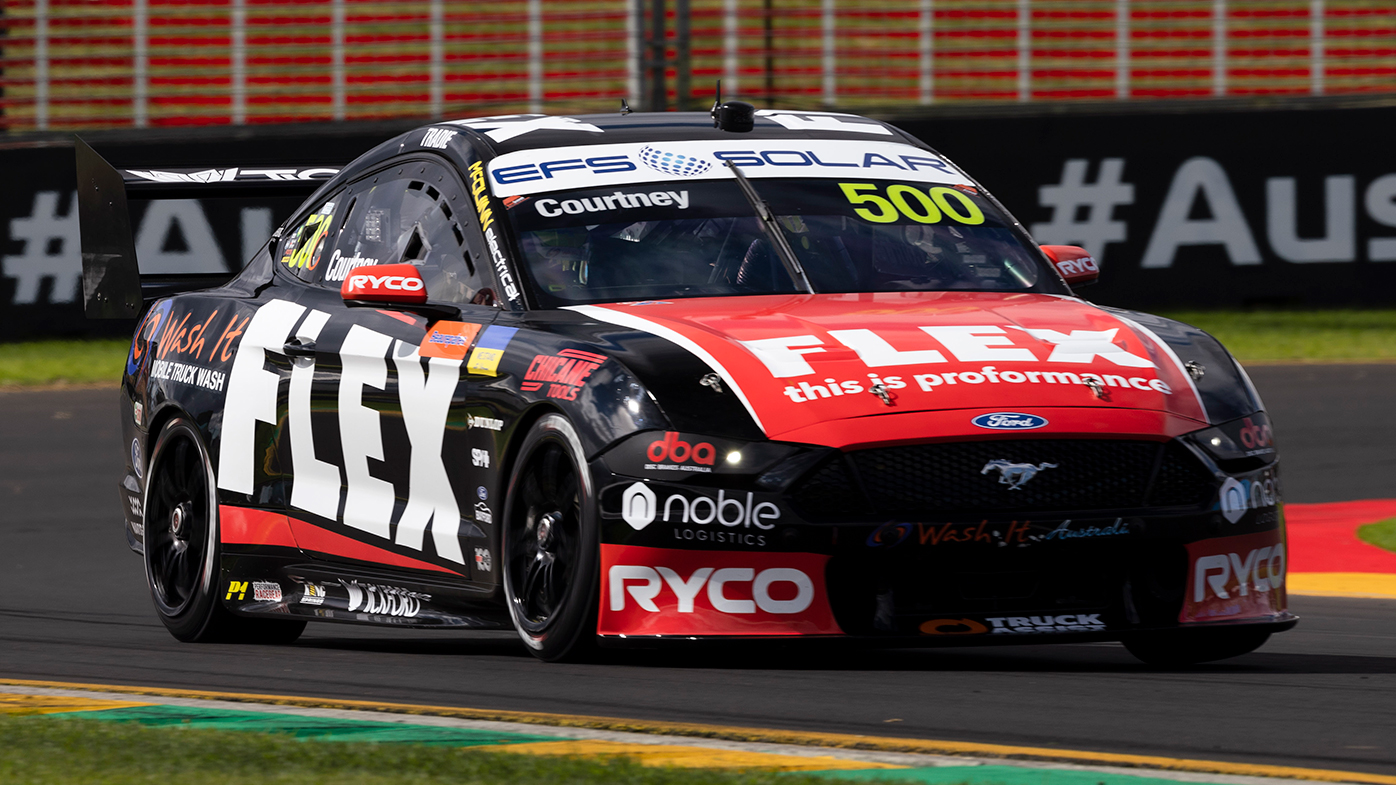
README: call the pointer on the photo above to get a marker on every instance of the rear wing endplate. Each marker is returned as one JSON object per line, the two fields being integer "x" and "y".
{"x": 112, "y": 285}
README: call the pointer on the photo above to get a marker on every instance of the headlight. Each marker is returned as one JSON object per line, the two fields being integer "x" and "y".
{"x": 1241, "y": 445}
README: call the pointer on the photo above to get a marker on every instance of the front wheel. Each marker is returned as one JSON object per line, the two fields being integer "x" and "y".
{"x": 550, "y": 543}
{"x": 1173, "y": 648}
{"x": 181, "y": 546}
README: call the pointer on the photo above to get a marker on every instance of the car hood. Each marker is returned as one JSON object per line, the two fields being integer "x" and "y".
{"x": 797, "y": 361}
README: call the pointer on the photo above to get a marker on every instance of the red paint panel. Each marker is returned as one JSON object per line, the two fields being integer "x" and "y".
{"x": 317, "y": 540}
{"x": 247, "y": 526}
{"x": 800, "y": 361}
{"x": 661, "y": 591}
{"x": 955, "y": 426}
{"x": 1239, "y": 577}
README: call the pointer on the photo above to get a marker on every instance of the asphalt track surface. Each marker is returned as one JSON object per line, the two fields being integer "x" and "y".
{"x": 74, "y": 607}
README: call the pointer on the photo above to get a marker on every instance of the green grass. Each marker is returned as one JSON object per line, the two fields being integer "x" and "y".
{"x": 50, "y": 363}
{"x": 73, "y": 751}
{"x": 1335, "y": 335}
{"x": 1338, "y": 335}
{"x": 1381, "y": 534}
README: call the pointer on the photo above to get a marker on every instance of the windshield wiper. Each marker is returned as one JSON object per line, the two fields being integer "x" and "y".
{"x": 773, "y": 230}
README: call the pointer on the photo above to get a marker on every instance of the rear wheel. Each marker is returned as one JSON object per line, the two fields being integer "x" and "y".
{"x": 550, "y": 543}
{"x": 1189, "y": 647}
{"x": 181, "y": 546}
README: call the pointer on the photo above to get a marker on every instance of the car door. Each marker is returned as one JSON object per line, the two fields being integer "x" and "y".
{"x": 380, "y": 403}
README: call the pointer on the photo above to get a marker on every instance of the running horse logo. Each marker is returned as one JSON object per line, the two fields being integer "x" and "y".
{"x": 1015, "y": 475}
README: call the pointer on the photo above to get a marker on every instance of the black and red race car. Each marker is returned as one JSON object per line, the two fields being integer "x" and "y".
{"x": 733, "y": 374}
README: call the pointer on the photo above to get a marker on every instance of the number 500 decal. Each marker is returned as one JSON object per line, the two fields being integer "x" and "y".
{"x": 912, "y": 202}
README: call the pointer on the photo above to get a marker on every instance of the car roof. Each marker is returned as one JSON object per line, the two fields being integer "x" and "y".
{"x": 509, "y": 133}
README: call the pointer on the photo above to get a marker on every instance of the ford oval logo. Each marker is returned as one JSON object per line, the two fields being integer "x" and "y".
{"x": 1009, "y": 421}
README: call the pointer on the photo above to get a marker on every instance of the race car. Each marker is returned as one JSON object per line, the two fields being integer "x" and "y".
{"x": 624, "y": 378}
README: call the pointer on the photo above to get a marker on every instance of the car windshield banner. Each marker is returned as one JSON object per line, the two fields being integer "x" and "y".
{"x": 599, "y": 166}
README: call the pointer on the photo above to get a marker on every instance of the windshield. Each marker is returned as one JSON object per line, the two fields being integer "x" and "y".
{"x": 677, "y": 238}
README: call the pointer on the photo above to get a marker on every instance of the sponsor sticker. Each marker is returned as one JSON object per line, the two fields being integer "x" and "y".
{"x": 1009, "y": 421}
{"x": 1239, "y": 496}
{"x": 312, "y": 594}
{"x": 641, "y": 506}
{"x": 538, "y": 170}
{"x": 237, "y": 590}
{"x": 563, "y": 373}
{"x": 952, "y": 627}
{"x": 1235, "y": 578}
{"x": 479, "y": 458}
{"x": 489, "y": 350}
{"x": 266, "y": 591}
{"x": 384, "y": 600}
{"x": 483, "y": 562}
{"x": 137, "y": 462}
{"x": 486, "y": 423}
{"x": 438, "y": 138}
{"x": 448, "y": 340}
{"x": 1034, "y": 625}
{"x": 483, "y": 513}
{"x": 659, "y": 591}
{"x": 992, "y": 533}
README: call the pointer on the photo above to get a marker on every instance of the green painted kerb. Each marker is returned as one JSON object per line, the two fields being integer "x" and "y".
{"x": 309, "y": 728}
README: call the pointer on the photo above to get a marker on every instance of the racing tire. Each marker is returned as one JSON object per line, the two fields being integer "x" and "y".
{"x": 181, "y": 546}
{"x": 1176, "y": 648}
{"x": 550, "y": 544}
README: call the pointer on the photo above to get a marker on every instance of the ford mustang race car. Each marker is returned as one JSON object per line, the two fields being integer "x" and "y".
{"x": 739, "y": 374}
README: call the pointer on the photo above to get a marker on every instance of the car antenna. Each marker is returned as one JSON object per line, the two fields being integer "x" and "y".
{"x": 717, "y": 102}
{"x": 624, "y": 108}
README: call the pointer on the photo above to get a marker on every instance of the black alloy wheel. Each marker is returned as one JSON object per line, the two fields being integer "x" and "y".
{"x": 181, "y": 546}
{"x": 550, "y": 543}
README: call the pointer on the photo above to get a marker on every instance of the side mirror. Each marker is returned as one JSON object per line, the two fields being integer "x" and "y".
{"x": 384, "y": 283}
{"x": 1075, "y": 264}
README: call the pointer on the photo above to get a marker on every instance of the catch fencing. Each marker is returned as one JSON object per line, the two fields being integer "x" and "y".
{"x": 81, "y": 64}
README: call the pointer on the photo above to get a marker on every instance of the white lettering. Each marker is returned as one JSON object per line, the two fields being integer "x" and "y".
{"x": 369, "y": 503}
{"x": 315, "y": 484}
{"x": 426, "y": 402}
{"x": 252, "y": 393}
{"x": 1227, "y": 226}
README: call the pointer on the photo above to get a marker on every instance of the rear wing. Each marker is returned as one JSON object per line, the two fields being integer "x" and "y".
{"x": 112, "y": 284}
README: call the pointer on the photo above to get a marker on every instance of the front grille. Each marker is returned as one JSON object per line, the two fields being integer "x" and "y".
{"x": 1067, "y": 475}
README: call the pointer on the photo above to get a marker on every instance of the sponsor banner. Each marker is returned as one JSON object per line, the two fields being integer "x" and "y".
{"x": 1015, "y": 625}
{"x": 998, "y": 533}
{"x": 657, "y": 591}
{"x": 600, "y": 166}
{"x": 1239, "y": 577}
{"x": 796, "y": 363}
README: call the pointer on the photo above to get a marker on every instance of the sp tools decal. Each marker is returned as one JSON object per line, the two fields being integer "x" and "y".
{"x": 489, "y": 350}
{"x": 1235, "y": 578}
{"x": 564, "y": 373}
{"x": 657, "y": 591}
{"x": 449, "y": 340}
